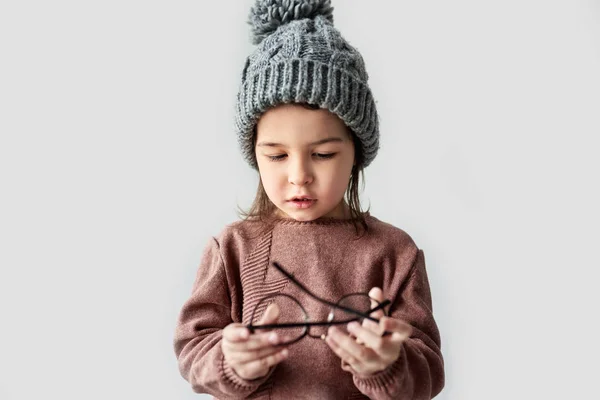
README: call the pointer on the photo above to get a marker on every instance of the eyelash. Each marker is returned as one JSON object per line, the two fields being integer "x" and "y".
{"x": 322, "y": 156}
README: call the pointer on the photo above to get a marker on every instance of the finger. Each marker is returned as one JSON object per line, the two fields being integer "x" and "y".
{"x": 340, "y": 352}
{"x": 266, "y": 362}
{"x": 376, "y": 296}
{"x": 245, "y": 340}
{"x": 270, "y": 315}
{"x": 357, "y": 352}
{"x": 336, "y": 343}
{"x": 372, "y": 326}
{"x": 236, "y": 333}
{"x": 347, "y": 367}
{"x": 385, "y": 348}
{"x": 256, "y": 341}
{"x": 371, "y": 339}
{"x": 403, "y": 329}
{"x": 254, "y": 355}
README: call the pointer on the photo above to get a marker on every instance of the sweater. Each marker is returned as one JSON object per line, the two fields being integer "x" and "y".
{"x": 330, "y": 259}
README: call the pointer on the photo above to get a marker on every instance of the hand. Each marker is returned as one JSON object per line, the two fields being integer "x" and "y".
{"x": 251, "y": 355}
{"x": 367, "y": 352}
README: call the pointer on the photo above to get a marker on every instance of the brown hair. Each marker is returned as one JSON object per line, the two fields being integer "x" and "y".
{"x": 263, "y": 209}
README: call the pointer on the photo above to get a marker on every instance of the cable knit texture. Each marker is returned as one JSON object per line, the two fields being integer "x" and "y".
{"x": 302, "y": 58}
{"x": 235, "y": 272}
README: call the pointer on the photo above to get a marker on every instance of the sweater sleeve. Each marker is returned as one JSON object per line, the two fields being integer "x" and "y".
{"x": 199, "y": 329}
{"x": 418, "y": 374}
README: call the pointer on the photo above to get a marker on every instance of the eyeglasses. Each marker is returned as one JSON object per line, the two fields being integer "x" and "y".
{"x": 294, "y": 323}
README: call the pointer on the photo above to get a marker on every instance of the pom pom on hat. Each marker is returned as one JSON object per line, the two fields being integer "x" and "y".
{"x": 267, "y": 15}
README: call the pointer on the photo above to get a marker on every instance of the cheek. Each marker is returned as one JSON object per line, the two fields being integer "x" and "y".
{"x": 338, "y": 177}
{"x": 270, "y": 181}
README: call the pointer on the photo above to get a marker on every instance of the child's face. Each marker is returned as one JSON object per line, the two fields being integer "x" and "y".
{"x": 304, "y": 153}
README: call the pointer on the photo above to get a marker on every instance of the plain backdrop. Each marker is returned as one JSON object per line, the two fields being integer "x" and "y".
{"x": 118, "y": 161}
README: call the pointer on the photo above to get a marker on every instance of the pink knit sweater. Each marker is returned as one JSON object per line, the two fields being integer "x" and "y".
{"x": 325, "y": 255}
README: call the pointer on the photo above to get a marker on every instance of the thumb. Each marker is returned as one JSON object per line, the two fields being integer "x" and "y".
{"x": 376, "y": 296}
{"x": 271, "y": 314}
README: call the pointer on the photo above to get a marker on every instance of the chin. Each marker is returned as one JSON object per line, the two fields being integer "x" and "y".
{"x": 302, "y": 216}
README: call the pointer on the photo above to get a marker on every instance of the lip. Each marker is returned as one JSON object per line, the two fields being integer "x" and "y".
{"x": 300, "y": 197}
{"x": 306, "y": 202}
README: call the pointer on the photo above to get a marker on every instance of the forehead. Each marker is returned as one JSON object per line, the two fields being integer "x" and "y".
{"x": 296, "y": 123}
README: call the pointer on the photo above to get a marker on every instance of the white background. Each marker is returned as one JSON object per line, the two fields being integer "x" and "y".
{"x": 118, "y": 161}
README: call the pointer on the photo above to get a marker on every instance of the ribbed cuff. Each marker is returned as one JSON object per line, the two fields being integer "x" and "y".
{"x": 240, "y": 383}
{"x": 302, "y": 80}
{"x": 389, "y": 378}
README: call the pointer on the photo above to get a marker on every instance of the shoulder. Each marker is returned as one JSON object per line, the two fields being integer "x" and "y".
{"x": 241, "y": 230}
{"x": 389, "y": 233}
{"x": 386, "y": 238}
{"x": 238, "y": 238}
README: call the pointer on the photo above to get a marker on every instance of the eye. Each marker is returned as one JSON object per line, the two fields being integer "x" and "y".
{"x": 277, "y": 157}
{"x": 324, "y": 156}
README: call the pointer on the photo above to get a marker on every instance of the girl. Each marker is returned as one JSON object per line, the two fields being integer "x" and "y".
{"x": 308, "y": 296}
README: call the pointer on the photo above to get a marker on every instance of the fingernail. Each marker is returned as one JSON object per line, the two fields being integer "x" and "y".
{"x": 244, "y": 334}
{"x": 352, "y": 326}
{"x": 273, "y": 338}
{"x": 285, "y": 352}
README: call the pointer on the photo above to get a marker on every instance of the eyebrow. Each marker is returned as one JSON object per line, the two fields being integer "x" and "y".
{"x": 322, "y": 141}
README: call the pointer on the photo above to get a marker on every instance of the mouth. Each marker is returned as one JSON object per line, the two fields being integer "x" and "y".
{"x": 302, "y": 201}
{"x": 301, "y": 198}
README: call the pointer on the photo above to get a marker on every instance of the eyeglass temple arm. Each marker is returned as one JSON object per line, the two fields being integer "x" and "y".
{"x": 350, "y": 310}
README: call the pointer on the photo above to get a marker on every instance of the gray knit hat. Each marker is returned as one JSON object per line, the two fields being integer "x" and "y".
{"x": 302, "y": 58}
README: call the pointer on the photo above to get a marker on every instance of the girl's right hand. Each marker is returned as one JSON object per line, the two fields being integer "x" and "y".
{"x": 251, "y": 355}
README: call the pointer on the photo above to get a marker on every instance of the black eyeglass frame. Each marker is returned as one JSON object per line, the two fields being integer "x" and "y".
{"x": 307, "y": 324}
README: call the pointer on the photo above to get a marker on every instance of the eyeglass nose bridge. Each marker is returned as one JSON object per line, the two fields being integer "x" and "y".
{"x": 321, "y": 327}
{"x": 324, "y": 326}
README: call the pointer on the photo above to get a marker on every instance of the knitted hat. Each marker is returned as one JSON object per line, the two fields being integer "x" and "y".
{"x": 302, "y": 58}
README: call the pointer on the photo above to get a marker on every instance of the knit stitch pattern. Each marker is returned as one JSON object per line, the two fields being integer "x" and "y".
{"x": 302, "y": 58}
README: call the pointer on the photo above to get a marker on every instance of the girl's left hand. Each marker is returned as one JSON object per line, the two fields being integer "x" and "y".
{"x": 369, "y": 352}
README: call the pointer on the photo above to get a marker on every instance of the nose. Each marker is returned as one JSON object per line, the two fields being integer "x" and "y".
{"x": 300, "y": 172}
